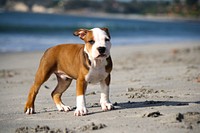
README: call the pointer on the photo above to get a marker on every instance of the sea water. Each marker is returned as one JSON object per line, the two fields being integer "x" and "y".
{"x": 33, "y": 31}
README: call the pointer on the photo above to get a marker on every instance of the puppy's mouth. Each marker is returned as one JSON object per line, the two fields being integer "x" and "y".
{"x": 101, "y": 56}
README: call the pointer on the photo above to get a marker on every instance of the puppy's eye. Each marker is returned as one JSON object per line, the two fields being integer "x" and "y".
{"x": 91, "y": 41}
{"x": 107, "y": 39}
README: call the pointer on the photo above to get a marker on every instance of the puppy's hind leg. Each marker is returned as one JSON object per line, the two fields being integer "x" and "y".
{"x": 40, "y": 78}
{"x": 63, "y": 84}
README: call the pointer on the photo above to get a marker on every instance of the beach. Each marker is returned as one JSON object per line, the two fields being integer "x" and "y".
{"x": 154, "y": 88}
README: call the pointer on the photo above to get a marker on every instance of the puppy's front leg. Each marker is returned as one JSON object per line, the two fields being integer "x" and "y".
{"x": 81, "y": 109}
{"x": 104, "y": 101}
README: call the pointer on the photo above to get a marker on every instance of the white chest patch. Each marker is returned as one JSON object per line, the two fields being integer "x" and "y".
{"x": 96, "y": 73}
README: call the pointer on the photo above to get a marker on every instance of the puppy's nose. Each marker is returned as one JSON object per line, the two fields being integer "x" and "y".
{"x": 101, "y": 50}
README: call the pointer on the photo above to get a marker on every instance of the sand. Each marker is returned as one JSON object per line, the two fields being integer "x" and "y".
{"x": 154, "y": 88}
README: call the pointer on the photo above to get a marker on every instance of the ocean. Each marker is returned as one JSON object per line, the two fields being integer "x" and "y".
{"x": 37, "y": 32}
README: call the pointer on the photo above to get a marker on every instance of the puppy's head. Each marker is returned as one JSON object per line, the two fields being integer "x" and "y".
{"x": 97, "y": 42}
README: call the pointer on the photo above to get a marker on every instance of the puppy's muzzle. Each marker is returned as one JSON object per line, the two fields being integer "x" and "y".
{"x": 101, "y": 50}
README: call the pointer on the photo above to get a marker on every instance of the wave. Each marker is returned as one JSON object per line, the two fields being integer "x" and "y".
{"x": 65, "y": 28}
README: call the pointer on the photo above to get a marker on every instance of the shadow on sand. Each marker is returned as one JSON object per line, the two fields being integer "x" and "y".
{"x": 129, "y": 105}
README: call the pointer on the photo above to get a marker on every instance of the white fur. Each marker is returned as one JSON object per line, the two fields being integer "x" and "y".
{"x": 62, "y": 75}
{"x": 80, "y": 106}
{"x": 99, "y": 38}
{"x": 104, "y": 101}
{"x": 97, "y": 71}
{"x": 62, "y": 107}
{"x": 29, "y": 111}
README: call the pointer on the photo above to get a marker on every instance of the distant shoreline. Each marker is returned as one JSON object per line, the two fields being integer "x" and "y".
{"x": 155, "y": 10}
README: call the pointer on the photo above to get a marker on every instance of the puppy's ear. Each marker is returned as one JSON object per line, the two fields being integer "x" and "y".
{"x": 81, "y": 33}
{"x": 107, "y": 31}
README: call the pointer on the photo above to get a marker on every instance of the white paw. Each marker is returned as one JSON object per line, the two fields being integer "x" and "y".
{"x": 29, "y": 111}
{"x": 81, "y": 111}
{"x": 62, "y": 107}
{"x": 106, "y": 106}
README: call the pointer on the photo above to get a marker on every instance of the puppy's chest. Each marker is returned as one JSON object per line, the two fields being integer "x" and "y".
{"x": 96, "y": 74}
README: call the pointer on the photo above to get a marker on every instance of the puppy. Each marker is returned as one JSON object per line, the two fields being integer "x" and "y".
{"x": 88, "y": 63}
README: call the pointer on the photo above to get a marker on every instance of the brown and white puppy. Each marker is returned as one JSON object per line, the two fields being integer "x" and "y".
{"x": 86, "y": 63}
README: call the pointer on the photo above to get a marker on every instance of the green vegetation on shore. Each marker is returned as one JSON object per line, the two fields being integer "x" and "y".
{"x": 184, "y": 8}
